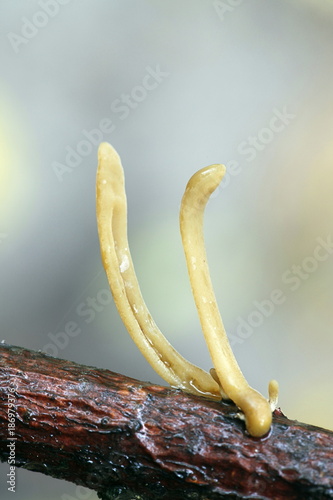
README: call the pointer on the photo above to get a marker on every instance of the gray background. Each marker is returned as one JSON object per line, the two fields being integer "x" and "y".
{"x": 226, "y": 72}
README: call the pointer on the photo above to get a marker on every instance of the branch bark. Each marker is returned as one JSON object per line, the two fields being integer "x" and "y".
{"x": 133, "y": 440}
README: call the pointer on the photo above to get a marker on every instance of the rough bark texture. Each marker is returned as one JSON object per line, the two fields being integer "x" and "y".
{"x": 133, "y": 440}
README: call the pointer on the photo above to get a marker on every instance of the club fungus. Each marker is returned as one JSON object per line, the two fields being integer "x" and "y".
{"x": 225, "y": 380}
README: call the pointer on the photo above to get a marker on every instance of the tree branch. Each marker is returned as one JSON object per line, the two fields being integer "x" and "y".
{"x": 129, "y": 439}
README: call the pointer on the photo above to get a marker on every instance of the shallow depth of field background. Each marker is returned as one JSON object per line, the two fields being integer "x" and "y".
{"x": 223, "y": 74}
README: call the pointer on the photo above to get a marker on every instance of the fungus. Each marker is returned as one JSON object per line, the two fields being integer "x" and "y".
{"x": 117, "y": 261}
{"x": 225, "y": 380}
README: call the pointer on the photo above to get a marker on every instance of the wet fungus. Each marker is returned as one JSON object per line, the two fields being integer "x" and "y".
{"x": 225, "y": 380}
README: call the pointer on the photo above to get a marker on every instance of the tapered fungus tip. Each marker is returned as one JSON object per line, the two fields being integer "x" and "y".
{"x": 219, "y": 169}
{"x": 210, "y": 176}
{"x": 107, "y": 152}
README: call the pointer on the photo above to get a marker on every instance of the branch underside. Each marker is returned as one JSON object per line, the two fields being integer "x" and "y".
{"x": 129, "y": 439}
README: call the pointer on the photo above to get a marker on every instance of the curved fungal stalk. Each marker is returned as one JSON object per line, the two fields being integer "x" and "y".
{"x": 117, "y": 261}
{"x": 256, "y": 409}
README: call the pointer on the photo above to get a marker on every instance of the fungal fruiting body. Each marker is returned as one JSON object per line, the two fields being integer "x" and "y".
{"x": 257, "y": 411}
{"x": 117, "y": 261}
{"x": 226, "y": 379}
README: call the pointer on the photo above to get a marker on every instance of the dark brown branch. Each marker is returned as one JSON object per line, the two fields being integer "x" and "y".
{"x": 129, "y": 439}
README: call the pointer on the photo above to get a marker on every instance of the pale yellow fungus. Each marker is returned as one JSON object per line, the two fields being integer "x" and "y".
{"x": 225, "y": 379}
{"x": 257, "y": 411}
{"x": 273, "y": 394}
{"x": 117, "y": 261}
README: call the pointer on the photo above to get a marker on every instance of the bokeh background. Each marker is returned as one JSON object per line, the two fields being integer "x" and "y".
{"x": 223, "y": 71}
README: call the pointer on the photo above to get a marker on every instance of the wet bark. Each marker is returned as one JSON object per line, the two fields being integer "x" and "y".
{"x": 128, "y": 439}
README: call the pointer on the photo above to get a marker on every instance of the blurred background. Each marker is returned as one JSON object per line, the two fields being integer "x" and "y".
{"x": 173, "y": 86}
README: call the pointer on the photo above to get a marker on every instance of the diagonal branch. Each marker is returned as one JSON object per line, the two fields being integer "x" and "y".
{"x": 129, "y": 439}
